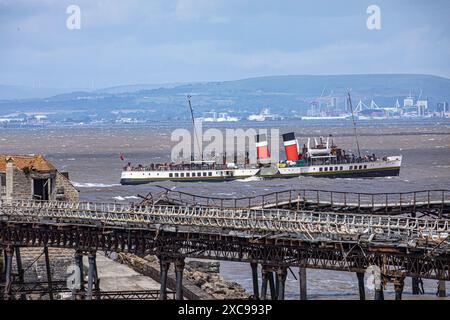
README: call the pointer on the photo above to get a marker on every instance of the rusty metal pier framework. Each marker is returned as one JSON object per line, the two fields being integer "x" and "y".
{"x": 276, "y": 239}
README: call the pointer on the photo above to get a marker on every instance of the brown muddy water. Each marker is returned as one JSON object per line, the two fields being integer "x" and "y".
{"x": 91, "y": 156}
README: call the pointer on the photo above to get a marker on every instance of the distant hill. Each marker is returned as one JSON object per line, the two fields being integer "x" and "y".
{"x": 24, "y": 92}
{"x": 283, "y": 94}
{"x": 137, "y": 87}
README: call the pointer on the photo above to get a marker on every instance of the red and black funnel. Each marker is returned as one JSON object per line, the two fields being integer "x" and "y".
{"x": 290, "y": 146}
{"x": 262, "y": 148}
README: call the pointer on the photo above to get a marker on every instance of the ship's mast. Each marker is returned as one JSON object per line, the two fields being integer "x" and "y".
{"x": 354, "y": 123}
{"x": 193, "y": 126}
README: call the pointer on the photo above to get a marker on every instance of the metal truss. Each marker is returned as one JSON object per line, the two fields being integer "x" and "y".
{"x": 278, "y": 223}
{"x": 344, "y": 255}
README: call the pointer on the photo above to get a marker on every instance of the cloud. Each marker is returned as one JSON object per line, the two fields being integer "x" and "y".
{"x": 194, "y": 40}
{"x": 197, "y": 10}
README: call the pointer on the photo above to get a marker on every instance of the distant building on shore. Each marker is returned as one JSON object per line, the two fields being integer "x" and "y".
{"x": 442, "y": 109}
{"x": 33, "y": 177}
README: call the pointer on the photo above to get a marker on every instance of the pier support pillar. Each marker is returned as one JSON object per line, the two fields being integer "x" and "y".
{"x": 3, "y": 262}
{"x": 379, "y": 295}
{"x": 179, "y": 268}
{"x": 361, "y": 288}
{"x": 281, "y": 277}
{"x": 273, "y": 292}
{"x": 96, "y": 279}
{"x": 441, "y": 289}
{"x": 164, "y": 268}
{"x": 302, "y": 280}
{"x": 264, "y": 280}
{"x": 91, "y": 275}
{"x": 415, "y": 286}
{"x": 254, "y": 266}
{"x": 49, "y": 273}
{"x": 20, "y": 271}
{"x": 398, "y": 285}
{"x": 277, "y": 284}
{"x": 9, "y": 252}
{"x": 79, "y": 265}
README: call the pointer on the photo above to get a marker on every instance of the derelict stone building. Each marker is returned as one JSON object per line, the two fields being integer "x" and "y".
{"x": 33, "y": 177}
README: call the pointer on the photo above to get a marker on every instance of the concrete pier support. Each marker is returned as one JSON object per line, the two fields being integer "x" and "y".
{"x": 281, "y": 277}
{"x": 164, "y": 268}
{"x": 303, "y": 286}
{"x": 264, "y": 281}
{"x": 49, "y": 273}
{"x": 361, "y": 286}
{"x": 254, "y": 266}
{"x": 9, "y": 252}
{"x": 398, "y": 285}
{"x": 441, "y": 289}
{"x": 179, "y": 268}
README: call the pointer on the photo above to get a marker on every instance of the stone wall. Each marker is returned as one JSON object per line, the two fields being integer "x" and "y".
{"x": 70, "y": 192}
{"x": 33, "y": 263}
{"x": 21, "y": 184}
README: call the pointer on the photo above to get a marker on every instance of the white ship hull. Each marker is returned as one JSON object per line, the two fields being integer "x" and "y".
{"x": 380, "y": 168}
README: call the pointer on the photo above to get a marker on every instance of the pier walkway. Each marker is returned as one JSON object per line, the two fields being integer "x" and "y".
{"x": 426, "y": 202}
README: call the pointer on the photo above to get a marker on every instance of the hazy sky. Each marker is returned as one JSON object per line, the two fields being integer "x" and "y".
{"x": 158, "y": 41}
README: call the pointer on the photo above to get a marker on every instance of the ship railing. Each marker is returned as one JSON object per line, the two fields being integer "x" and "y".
{"x": 180, "y": 167}
{"x": 297, "y": 223}
{"x": 335, "y": 161}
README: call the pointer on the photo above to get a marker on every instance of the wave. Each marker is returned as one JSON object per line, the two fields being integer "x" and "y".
{"x": 120, "y": 198}
{"x": 93, "y": 185}
{"x": 252, "y": 178}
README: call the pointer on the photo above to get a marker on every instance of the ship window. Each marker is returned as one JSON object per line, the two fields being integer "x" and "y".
{"x": 365, "y": 166}
{"x": 204, "y": 174}
{"x": 176, "y": 175}
{"x": 210, "y": 174}
{"x": 341, "y": 168}
{"x": 360, "y": 167}
{"x": 188, "y": 174}
{"x": 331, "y": 168}
{"x": 326, "y": 168}
{"x": 182, "y": 175}
{"x": 351, "y": 167}
{"x": 336, "y": 168}
{"x": 170, "y": 175}
{"x": 199, "y": 174}
{"x": 320, "y": 169}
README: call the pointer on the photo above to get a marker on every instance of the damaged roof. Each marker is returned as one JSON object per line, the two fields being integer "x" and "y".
{"x": 33, "y": 162}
